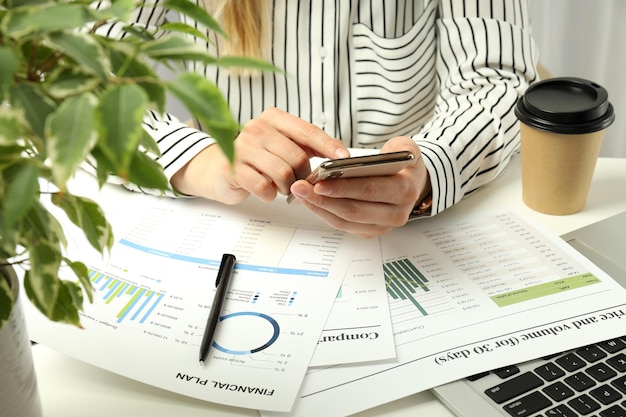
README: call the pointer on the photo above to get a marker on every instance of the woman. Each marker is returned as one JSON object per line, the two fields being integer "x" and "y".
{"x": 438, "y": 78}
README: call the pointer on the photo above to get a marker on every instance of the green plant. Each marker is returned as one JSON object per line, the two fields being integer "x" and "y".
{"x": 67, "y": 94}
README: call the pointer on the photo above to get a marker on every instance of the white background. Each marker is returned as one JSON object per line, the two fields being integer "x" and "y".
{"x": 587, "y": 39}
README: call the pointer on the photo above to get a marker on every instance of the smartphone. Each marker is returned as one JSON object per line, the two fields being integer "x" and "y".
{"x": 381, "y": 164}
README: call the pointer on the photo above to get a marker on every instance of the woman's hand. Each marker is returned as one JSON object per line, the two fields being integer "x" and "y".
{"x": 369, "y": 206}
{"x": 271, "y": 153}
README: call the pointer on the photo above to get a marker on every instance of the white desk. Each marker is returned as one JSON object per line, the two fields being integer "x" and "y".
{"x": 71, "y": 388}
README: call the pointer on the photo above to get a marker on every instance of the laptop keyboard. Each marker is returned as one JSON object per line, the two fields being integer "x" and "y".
{"x": 588, "y": 381}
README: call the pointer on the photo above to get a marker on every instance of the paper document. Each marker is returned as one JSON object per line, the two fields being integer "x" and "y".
{"x": 153, "y": 297}
{"x": 359, "y": 326}
{"x": 468, "y": 295}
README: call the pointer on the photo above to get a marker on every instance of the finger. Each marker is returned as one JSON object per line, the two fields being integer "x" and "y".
{"x": 364, "y": 230}
{"x": 307, "y": 135}
{"x": 274, "y": 167}
{"x": 261, "y": 145}
{"x": 290, "y": 163}
{"x": 398, "y": 189}
{"x": 254, "y": 182}
{"x": 341, "y": 212}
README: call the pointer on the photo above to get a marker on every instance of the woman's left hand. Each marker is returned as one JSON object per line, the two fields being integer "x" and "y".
{"x": 369, "y": 206}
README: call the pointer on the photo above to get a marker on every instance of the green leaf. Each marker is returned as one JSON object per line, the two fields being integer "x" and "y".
{"x": 34, "y": 104}
{"x": 84, "y": 49}
{"x": 13, "y": 4}
{"x": 245, "y": 62}
{"x": 138, "y": 33}
{"x": 22, "y": 191}
{"x": 70, "y": 135}
{"x": 146, "y": 172}
{"x": 176, "y": 48}
{"x": 63, "y": 306}
{"x": 206, "y": 102}
{"x": 69, "y": 303}
{"x": 7, "y": 69}
{"x": 48, "y": 17}
{"x": 41, "y": 282}
{"x": 118, "y": 117}
{"x": 149, "y": 144}
{"x": 192, "y": 10}
{"x": 119, "y": 10}
{"x": 40, "y": 225}
{"x": 9, "y": 128}
{"x": 186, "y": 29}
{"x": 89, "y": 217}
{"x": 127, "y": 64}
{"x": 104, "y": 167}
{"x": 82, "y": 273}
{"x": 69, "y": 81}
{"x": 6, "y": 300}
{"x": 9, "y": 154}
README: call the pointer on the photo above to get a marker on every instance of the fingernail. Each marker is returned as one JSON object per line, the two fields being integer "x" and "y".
{"x": 342, "y": 153}
{"x": 322, "y": 189}
{"x": 300, "y": 192}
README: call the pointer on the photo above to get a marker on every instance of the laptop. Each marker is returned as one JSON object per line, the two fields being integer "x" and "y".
{"x": 585, "y": 381}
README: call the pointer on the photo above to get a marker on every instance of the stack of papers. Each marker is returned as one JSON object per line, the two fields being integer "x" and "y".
{"x": 315, "y": 317}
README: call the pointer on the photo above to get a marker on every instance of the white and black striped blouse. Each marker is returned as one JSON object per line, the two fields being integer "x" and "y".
{"x": 447, "y": 73}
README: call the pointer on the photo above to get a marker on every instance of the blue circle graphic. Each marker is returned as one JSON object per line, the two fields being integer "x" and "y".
{"x": 272, "y": 339}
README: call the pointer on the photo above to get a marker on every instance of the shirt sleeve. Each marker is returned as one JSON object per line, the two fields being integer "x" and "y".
{"x": 486, "y": 60}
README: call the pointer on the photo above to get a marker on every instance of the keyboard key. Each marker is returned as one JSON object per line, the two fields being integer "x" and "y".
{"x": 511, "y": 388}
{"x": 605, "y": 394}
{"x": 584, "y": 404}
{"x": 613, "y": 345}
{"x": 620, "y": 384}
{"x": 549, "y": 371}
{"x": 618, "y": 362}
{"x": 579, "y": 381}
{"x": 507, "y": 371}
{"x": 528, "y": 405}
{"x": 561, "y": 410}
{"x": 614, "y": 411}
{"x": 591, "y": 353}
{"x": 558, "y": 391}
{"x": 600, "y": 372}
{"x": 571, "y": 362}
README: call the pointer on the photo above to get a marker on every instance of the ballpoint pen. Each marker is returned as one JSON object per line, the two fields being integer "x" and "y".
{"x": 221, "y": 283}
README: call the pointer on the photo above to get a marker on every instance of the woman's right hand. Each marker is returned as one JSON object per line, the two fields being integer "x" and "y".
{"x": 271, "y": 152}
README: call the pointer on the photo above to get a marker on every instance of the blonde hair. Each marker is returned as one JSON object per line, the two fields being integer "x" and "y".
{"x": 245, "y": 22}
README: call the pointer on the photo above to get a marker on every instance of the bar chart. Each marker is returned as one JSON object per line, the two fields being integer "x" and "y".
{"x": 135, "y": 303}
{"x": 404, "y": 281}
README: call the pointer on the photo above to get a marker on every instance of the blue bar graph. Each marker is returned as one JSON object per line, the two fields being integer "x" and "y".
{"x": 138, "y": 303}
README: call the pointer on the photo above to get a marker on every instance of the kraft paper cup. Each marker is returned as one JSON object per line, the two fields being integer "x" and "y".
{"x": 562, "y": 125}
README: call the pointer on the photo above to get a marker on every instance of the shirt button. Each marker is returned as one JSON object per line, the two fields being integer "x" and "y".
{"x": 323, "y": 52}
{"x": 322, "y": 118}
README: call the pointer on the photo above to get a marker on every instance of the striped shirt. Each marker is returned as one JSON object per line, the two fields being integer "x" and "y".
{"x": 447, "y": 73}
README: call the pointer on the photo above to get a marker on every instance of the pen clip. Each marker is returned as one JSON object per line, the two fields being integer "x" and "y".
{"x": 228, "y": 261}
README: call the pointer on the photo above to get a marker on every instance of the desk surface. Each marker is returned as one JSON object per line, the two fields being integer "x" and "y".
{"x": 71, "y": 388}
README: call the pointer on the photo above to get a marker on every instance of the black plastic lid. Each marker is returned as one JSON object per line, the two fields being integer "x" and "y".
{"x": 566, "y": 105}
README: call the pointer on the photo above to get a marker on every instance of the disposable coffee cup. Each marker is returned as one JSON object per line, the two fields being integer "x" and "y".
{"x": 562, "y": 125}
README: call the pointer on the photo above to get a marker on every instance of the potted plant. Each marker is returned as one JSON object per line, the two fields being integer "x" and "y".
{"x": 68, "y": 93}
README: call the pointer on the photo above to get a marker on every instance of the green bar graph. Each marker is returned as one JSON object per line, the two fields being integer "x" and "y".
{"x": 141, "y": 301}
{"x": 403, "y": 280}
